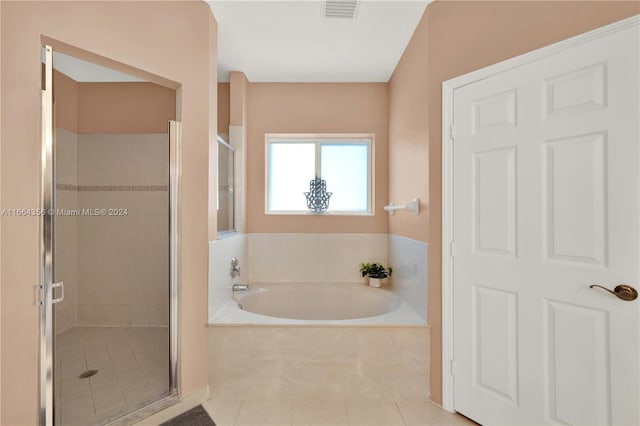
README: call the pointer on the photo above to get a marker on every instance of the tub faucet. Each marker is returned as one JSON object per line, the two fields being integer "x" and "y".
{"x": 240, "y": 287}
{"x": 235, "y": 267}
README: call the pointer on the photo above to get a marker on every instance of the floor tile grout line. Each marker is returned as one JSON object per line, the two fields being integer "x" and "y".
{"x": 346, "y": 414}
{"x": 346, "y": 408}
{"x": 86, "y": 367}
{"x": 291, "y": 405}
{"x": 135, "y": 358}
{"x": 235, "y": 420}
{"x": 124, "y": 399}
{"x": 404, "y": 422}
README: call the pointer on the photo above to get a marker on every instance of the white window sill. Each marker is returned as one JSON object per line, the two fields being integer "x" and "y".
{"x": 308, "y": 213}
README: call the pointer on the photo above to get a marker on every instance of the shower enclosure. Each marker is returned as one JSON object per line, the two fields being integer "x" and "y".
{"x": 109, "y": 278}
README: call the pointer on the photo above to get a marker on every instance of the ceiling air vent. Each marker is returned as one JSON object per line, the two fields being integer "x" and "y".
{"x": 345, "y": 9}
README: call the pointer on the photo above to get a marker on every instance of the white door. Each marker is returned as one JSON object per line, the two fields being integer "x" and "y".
{"x": 546, "y": 192}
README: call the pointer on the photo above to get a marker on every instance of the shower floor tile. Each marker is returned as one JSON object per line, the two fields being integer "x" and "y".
{"x": 132, "y": 364}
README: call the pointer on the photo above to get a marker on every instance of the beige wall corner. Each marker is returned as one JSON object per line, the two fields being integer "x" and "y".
{"x": 186, "y": 60}
{"x": 238, "y": 94}
{"x": 454, "y": 38}
{"x": 223, "y": 108}
{"x": 338, "y": 108}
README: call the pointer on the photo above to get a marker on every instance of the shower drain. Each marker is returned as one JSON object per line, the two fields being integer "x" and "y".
{"x": 88, "y": 374}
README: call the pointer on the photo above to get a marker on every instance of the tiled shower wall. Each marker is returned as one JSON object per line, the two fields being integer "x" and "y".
{"x": 122, "y": 261}
{"x": 66, "y": 230}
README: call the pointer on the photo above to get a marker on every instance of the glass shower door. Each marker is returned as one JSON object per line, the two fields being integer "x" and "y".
{"x": 109, "y": 336}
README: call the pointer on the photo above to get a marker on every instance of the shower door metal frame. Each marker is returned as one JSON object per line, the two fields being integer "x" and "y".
{"x": 175, "y": 177}
{"x": 45, "y": 287}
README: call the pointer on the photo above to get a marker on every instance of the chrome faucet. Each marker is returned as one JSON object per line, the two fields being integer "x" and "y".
{"x": 240, "y": 287}
{"x": 235, "y": 267}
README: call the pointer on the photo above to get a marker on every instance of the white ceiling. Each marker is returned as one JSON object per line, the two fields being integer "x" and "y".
{"x": 290, "y": 41}
{"x": 87, "y": 72}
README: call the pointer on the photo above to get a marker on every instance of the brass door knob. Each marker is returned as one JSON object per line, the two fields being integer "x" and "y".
{"x": 622, "y": 291}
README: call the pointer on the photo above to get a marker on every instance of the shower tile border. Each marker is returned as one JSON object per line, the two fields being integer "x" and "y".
{"x": 66, "y": 187}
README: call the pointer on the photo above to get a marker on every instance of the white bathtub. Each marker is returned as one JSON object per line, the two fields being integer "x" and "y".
{"x": 317, "y": 304}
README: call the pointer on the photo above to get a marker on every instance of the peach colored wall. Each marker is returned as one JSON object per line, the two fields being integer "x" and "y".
{"x": 223, "y": 108}
{"x": 408, "y": 128}
{"x": 454, "y": 38}
{"x": 315, "y": 108}
{"x": 133, "y": 33}
{"x": 130, "y": 107}
{"x": 65, "y": 101}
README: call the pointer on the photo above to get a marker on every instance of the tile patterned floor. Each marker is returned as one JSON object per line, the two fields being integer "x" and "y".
{"x": 331, "y": 413}
{"x": 132, "y": 364}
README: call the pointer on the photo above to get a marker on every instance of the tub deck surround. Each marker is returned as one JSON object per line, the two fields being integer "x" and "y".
{"x": 319, "y": 363}
{"x": 317, "y": 304}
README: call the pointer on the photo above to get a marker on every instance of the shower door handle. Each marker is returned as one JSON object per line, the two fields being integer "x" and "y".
{"x": 61, "y": 286}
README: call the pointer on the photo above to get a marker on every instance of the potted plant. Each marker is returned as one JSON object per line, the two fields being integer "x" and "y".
{"x": 375, "y": 272}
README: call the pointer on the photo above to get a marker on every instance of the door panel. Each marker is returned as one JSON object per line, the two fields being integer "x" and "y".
{"x": 575, "y": 194}
{"x": 494, "y": 208}
{"x": 497, "y": 110}
{"x": 576, "y": 364}
{"x": 546, "y": 202}
{"x": 576, "y": 91}
{"x": 495, "y": 342}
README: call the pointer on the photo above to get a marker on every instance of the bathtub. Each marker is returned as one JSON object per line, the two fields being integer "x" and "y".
{"x": 317, "y": 304}
{"x": 318, "y": 342}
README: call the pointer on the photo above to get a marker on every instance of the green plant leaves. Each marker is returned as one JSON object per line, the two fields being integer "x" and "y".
{"x": 375, "y": 270}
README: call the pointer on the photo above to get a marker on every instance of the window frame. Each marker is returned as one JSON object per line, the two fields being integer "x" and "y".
{"x": 319, "y": 140}
{"x": 233, "y": 231}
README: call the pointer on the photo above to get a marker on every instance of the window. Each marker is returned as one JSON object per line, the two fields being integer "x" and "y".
{"x": 343, "y": 162}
